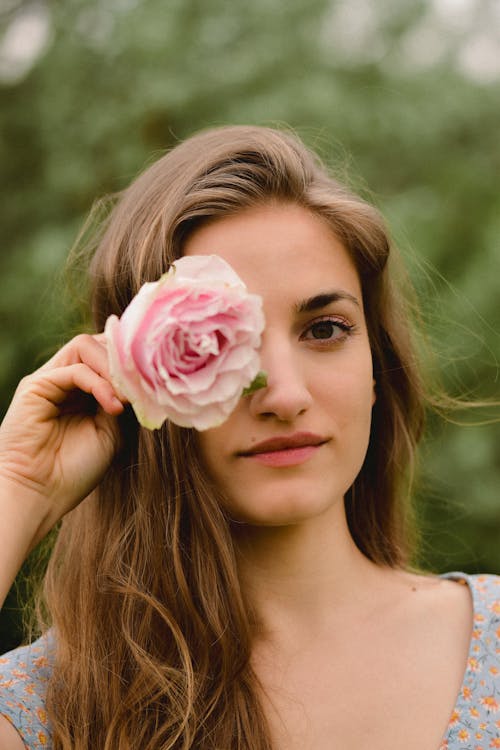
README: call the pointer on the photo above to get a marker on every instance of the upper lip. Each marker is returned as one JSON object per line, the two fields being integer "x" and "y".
{"x": 284, "y": 442}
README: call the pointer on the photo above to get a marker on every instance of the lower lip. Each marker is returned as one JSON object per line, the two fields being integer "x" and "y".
{"x": 288, "y": 457}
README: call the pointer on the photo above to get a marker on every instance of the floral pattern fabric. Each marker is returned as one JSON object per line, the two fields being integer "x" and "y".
{"x": 24, "y": 674}
{"x": 475, "y": 720}
{"x": 474, "y": 723}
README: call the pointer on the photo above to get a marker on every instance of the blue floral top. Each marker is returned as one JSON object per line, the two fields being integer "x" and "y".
{"x": 24, "y": 674}
{"x": 474, "y": 723}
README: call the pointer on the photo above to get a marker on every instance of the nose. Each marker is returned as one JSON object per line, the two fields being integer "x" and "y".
{"x": 286, "y": 395}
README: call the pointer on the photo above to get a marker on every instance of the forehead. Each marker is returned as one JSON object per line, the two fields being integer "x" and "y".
{"x": 279, "y": 248}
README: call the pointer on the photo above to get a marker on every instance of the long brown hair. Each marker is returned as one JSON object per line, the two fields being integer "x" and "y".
{"x": 153, "y": 635}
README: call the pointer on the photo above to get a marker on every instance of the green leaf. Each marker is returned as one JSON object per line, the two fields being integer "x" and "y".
{"x": 259, "y": 381}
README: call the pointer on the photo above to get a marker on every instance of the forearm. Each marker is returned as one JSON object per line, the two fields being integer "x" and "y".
{"x": 22, "y": 514}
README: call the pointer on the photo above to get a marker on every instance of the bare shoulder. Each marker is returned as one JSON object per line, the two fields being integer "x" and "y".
{"x": 9, "y": 737}
{"x": 449, "y": 597}
{"x": 443, "y": 607}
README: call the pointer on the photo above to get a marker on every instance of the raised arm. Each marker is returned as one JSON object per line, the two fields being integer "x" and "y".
{"x": 57, "y": 440}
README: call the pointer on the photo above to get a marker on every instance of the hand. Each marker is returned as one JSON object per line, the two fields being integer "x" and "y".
{"x": 60, "y": 433}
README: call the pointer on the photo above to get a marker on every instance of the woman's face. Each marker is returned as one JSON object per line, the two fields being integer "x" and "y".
{"x": 316, "y": 408}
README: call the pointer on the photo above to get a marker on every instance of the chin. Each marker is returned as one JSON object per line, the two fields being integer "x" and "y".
{"x": 284, "y": 511}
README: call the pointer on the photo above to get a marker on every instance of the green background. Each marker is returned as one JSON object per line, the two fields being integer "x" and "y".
{"x": 403, "y": 96}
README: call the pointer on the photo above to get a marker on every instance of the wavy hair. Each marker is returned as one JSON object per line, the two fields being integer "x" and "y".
{"x": 153, "y": 636}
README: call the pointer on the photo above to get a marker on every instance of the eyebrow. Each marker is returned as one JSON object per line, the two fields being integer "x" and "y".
{"x": 324, "y": 299}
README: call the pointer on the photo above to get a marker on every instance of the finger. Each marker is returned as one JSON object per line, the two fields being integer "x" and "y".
{"x": 85, "y": 348}
{"x": 57, "y": 385}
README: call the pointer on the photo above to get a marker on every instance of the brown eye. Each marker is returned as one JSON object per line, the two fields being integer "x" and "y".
{"x": 328, "y": 330}
{"x": 325, "y": 329}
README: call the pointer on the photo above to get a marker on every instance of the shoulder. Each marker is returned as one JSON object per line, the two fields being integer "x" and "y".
{"x": 485, "y": 592}
{"x": 478, "y": 705}
{"x": 483, "y": 663}
{"x": 24, "y": 675}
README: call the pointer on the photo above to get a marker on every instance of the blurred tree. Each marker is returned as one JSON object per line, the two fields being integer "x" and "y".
{"x": 402, "y": 93}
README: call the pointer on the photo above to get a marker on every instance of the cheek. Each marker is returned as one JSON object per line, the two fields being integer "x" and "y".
{"x": 211, "y": 445}
{"x": 351, "y": 412}
{"x": 350, "y": 388}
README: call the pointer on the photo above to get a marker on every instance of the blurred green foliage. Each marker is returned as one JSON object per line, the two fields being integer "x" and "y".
{"x": 391, "y": 93}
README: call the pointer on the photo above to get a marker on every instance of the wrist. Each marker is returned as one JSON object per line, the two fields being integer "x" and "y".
{"x": 23, "y": 511}
{"x": 23, "y": 508}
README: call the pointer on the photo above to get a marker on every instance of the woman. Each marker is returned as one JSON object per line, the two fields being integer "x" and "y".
{"x": 247, "y": 586}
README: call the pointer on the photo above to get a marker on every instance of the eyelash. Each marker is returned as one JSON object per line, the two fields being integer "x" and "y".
{"x": 346, "y": 328}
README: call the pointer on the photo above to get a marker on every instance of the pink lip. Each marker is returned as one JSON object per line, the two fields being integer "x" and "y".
{"x": 286, "y": 450}
{"x": 287, "y": 457}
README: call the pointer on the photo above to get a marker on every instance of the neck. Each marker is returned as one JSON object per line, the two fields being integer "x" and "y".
{"x": 303, "y": 576}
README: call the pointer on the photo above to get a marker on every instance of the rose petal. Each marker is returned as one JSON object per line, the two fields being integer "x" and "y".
{"x": 186, "y": 346}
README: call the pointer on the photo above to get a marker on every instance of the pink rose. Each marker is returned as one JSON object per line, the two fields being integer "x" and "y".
{"x": 187, "y": 345}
